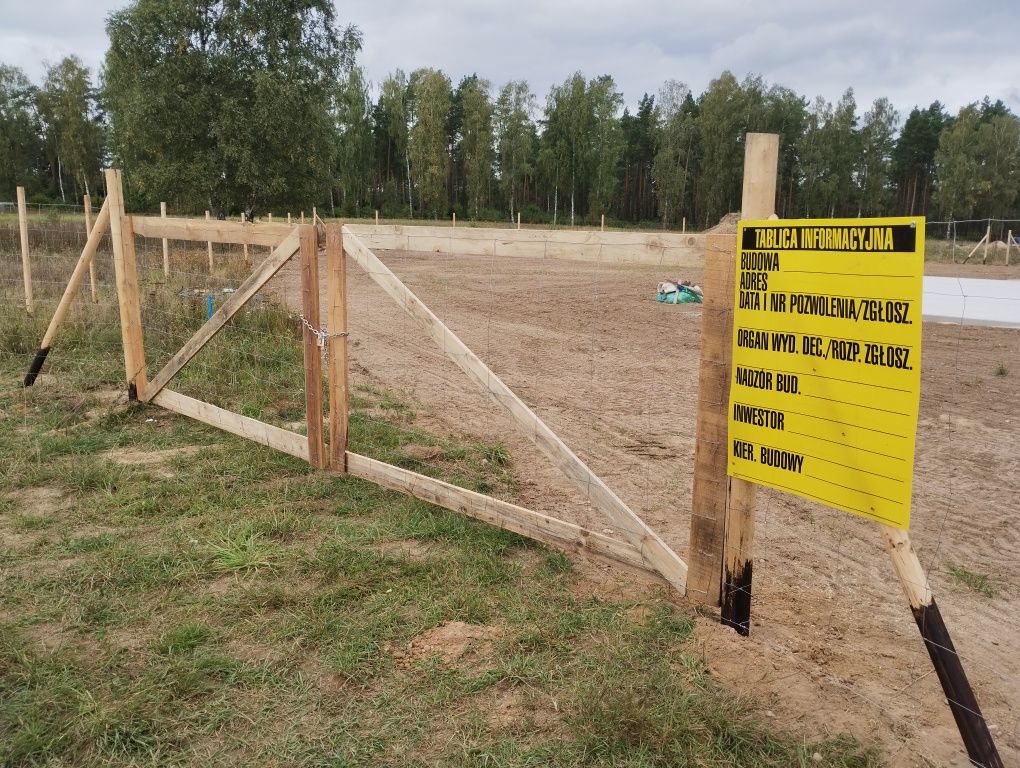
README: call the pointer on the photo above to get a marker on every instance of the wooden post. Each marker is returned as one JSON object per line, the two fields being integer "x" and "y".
{"x": 85, "y": 261}
{"x": 683, "y": 225}
{"x": 209, "y": 247}
{"x": 377, "y": 218}
{"x": 711, "y": 508}
{"x": 302, "y": 218}
{"x": 962, "y": 702}
{"x": 244, "y": 218}
{"x": 336, "y": 275}
{"x": 288, "y": 218}
{"x": 518, "y": 219}
{"x": 87, "y": 205}
{"x": 26, "y": 264}
{"x": 602, "y": 226}
{"x": 269, "y": 216}
{"x": 1009, "y": 244}
{"x": 761, "y": 163}
{"x": 454, "y": 218}
{"x": 123, "y": 237}
{"x": 166, "y": 245}
{"x": 313, "y": 357}
{"x": 988, "y": 239}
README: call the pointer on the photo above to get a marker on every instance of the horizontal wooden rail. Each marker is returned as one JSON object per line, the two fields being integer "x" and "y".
{"x": 242, "y": 426}
{"x": 548, "y": 530}
{"x": 215, "y": 231}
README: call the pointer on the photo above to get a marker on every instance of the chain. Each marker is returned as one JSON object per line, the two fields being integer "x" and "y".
{"x": 321, "y": 334}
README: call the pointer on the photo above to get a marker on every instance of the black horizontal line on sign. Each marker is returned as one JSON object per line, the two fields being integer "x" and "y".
{"x": 834, "y": 421}
{"x": 846, "y": 274}
{"x": 854, "y": 447}
{"x": 847, "y": 296}
{"x": 859, "y": 405}
{"x": 829, "y": 461}
{"x": 824, "y": 336}
{"x": 827, "y": 502}
{"x": 856, "y": 490}
{"x": 830, "y": 378}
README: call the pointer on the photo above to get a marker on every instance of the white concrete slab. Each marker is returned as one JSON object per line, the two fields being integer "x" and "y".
{"x": 971, "y": 301}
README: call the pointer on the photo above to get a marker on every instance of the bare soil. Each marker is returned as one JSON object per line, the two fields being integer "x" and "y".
{"x": 833, "y": 647}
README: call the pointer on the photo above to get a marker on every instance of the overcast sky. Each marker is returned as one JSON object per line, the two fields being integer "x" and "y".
{"x": 911, "y": 52}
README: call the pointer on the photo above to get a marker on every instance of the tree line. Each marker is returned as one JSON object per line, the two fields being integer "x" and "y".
{"x": 253, "y": 106}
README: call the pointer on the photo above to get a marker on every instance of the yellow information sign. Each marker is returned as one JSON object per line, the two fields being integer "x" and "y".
{"x": 827, "y": 360}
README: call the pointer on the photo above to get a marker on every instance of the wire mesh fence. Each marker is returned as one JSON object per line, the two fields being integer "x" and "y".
{"x": 616, "y": 376}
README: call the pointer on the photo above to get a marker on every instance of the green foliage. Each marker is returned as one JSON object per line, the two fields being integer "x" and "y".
{"x": 516, "y": 141}
{"x": 22, "y": 154}
{"x": 428, "y": 140}
{"x": 72, "y": 126}
{"x": 977, "y": 582}
{"x": 476, "y": 142}
{"x": 206, "y": 112}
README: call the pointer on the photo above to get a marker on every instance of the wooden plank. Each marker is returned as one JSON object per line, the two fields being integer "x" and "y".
{"x": 166, "y": 244}
{"x": 761, "y": 163}
{"x": 962, "y": 702}
{"x": 26, "y": 262}
{"x": 654, "y": 549}
{"x": 236, "y": 424}
{"x": 336, "y": 285}
{"x": 708, "y": 512}
{"x": 77, "y": 275}
{"x": 227, "y": 310}
{"x": 126, "y": 271}
{"x": 87, "y": 206}
{"x": 309, "y": 247}
{"x": 548, "y": 530}
{"x": 197, "y": 230}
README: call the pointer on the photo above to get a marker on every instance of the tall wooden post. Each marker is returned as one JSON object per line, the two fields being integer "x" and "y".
{"x": 26, "y": 264}
{"x": 602, "y": 225}
{"x": 87, "y": 206}
{"x": 208, "y": 246}
{"x": 336, "y": 266}
{"x": 988, "y": 239}
{"x": 377, "y": 218}
{"x": 313, "y": 356}
{"x": 761, "y": 163}
{"x": 454, "y": 218}
{"x": 722, "y": 523}
{"x": 1009, "y": 244}
{"x": 518, "y": 219}
{"x": 123, "y": 237}
{"x": 166, "y": 245}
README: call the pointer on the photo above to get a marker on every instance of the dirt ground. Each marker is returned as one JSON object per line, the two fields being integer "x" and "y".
{"x": 833, "y": 646}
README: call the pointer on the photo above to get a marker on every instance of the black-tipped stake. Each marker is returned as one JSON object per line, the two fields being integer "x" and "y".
{"x": 36, "y": 366}
{"x": 962, "y": 702}
{"x": 80, "y": 270}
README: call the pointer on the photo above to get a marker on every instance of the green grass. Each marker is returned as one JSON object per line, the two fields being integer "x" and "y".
{"x": 1001, "y": 370}
{"x": 231, "y": 606}
{"x": 976, "y": 582}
